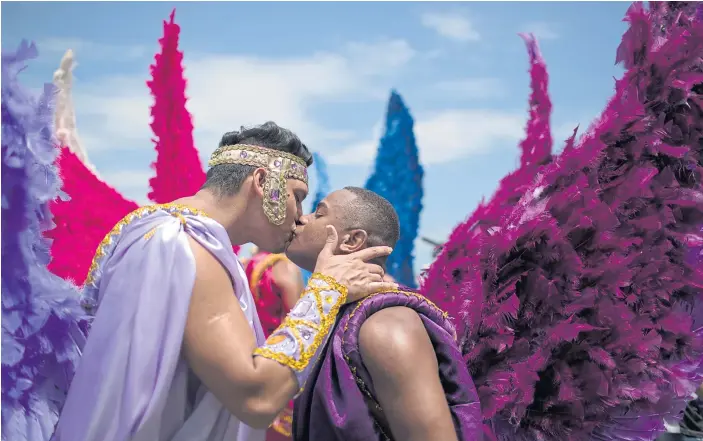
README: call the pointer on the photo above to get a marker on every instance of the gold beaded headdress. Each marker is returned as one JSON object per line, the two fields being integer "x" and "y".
{"x": 281, "y": 166}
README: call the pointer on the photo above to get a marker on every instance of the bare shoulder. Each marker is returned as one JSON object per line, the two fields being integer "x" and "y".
{"x": 393, "y": 337}
{"x": 399, "y": 355}
{"x": 207, "y": 268}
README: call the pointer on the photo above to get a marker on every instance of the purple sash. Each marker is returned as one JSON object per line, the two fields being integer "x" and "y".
{"x": 334, "y": 405}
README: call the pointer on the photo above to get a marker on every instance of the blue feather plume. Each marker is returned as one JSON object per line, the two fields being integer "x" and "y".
{"x": 323, "y": 179}
{"x": 323, "y": 188}
{"x": 397, "y": 176}
{"x": 41, "y": 313}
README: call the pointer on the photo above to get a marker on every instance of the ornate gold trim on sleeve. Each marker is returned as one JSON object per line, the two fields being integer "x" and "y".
{"x": 306, "y": 328}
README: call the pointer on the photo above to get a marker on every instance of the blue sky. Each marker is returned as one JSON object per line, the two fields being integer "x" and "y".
{"x": 325, "y": 70}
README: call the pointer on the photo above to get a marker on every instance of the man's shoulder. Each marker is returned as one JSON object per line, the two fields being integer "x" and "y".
{"x": 391, "y": 340}
{"x": 403, "y": 302}
{"x": 394, "y": 329}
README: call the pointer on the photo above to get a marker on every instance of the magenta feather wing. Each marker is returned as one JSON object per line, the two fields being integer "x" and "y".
{"x": 178, "y": 169}
{"x": 82, "y": 220}
{"x": 179, "y": 172}
{"x": 451, "y": 277}
{"x": 581, "y": 304}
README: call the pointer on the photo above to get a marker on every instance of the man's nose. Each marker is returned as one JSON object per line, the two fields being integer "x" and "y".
{"x": 303, "y": 219}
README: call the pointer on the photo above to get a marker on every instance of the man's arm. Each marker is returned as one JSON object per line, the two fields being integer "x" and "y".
{"x": 290, "y": 280}
{"x": 254, "y": 389}
{"x": 220, "y": 346}
{"x": 399, "y": 355}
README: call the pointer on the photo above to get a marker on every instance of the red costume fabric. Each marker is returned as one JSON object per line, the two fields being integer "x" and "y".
{"x": 271, "y": 308}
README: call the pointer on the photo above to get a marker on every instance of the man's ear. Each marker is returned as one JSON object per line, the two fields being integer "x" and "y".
{"x": 258, "y": 179}
{"x": 355, "y": 240}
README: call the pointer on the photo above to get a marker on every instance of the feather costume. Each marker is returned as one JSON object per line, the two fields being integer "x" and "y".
{"x": 397, "y": 176}
{"x": 65, "y": 113}
{"x": 457, "y": 258}
{"x": 41, "y": 313}
{"x": 81, "y": 222}
{"x": 578, "y": 306}
{"x": 179, "y": 172}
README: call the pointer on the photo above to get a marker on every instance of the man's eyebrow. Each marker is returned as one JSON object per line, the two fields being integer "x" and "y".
{"x": 321, "y": 204}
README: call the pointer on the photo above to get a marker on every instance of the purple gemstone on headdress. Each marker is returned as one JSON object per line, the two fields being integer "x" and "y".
{"x": 243, "y": 154}
{"x": 294, "y": 166}
{"x": 305, "y": 171}
{"x": 274, "y": 195}
{"x": 277, "y": 163}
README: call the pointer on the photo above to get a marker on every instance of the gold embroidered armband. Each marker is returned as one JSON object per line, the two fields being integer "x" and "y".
{"x": 298, "y": 342}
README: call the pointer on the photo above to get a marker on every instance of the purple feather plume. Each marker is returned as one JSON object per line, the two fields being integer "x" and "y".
{"x": 41, "y": 337}
{"x": 452, "y": 277}
{"x": 581, "y": 299}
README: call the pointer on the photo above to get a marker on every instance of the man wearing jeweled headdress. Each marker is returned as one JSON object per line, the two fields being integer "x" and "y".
{"x": 176, "y": 349}
{"x": 275, "y": 282}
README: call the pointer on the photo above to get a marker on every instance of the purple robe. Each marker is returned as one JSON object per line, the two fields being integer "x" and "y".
{"x": 132, "y": 383}
{"x": 334, "y": 406}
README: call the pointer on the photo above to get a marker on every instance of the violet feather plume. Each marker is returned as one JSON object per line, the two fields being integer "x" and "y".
{"x": 451, "y": 277}
{"x": 41, "y": 312}
{"x": 586, "y": 290}
{"x": 536, "y": 148}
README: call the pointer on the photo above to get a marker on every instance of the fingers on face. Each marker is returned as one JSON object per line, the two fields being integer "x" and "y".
{"x": 375, "y": 269}
{"x": 376, "y": 277}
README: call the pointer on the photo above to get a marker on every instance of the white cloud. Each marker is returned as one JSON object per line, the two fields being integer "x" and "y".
{"x": 472, "y": 88}
{"x": 448, "y": 135}
{"x": 89, "y": 49}
{"x": 451, "y": 26}
{"x": 227, "y": 91}
{"x": 541, "y": 30}
{"x": 133, "y": 184}
{"x": 232, "y": 90}
{"x": 374, "y": 59}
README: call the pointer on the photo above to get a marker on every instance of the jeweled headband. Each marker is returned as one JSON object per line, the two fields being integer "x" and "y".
{"x": 281, "y": 166}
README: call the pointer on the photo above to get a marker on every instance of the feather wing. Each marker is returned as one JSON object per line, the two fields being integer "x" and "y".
{"x": 323, "y": 179}
{"x": 397, "y": 176}
{"x": 580, "y": 303}
{"x": 88, "y": 208}
{"x": 41, "y": 313}
{"x": 87, "y": 211}
{"x": 65, "y": 113}
{"x": 452, "y": 275}
{"x": 179, "y": 172}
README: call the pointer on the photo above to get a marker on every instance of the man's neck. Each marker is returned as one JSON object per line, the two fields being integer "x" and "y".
{"x": 230, "y": 212}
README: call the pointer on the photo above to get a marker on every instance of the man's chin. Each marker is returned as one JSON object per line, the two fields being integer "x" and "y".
{"x": 297, "y": 258}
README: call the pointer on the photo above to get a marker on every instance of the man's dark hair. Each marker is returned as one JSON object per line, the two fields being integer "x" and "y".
{"x": 375, "y": 215}
{"x": 227, "y": 179}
